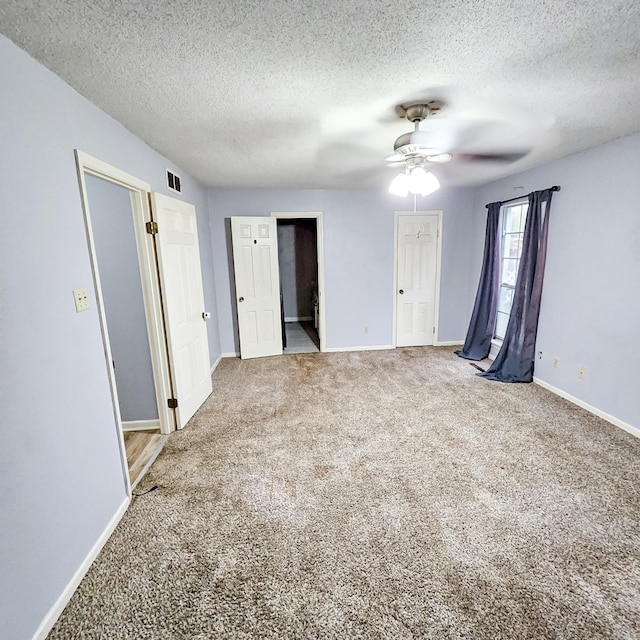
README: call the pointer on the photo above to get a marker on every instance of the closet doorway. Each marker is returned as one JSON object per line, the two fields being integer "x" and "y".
{"x": 114, "y": 239}
{"x": 301, "y": 281}
{"x": 148, "y": 293}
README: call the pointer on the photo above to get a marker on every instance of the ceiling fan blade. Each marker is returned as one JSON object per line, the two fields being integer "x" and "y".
{"x": 483, "y": 139}
{"x": 425, "y": 138}
{"x": 439, "y": 158}
{"x": 510, "y": 156}
{"x": 394, "y": 157}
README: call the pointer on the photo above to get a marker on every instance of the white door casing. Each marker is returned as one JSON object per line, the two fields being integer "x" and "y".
{"x": 255, "y": 261}
{"x": 417, "y": 274}
{"x": 139, "y": 190}
{"x": 183, "y": 300}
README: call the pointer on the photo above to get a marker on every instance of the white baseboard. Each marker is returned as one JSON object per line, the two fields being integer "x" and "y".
{"x": 378, "y": 347}
{"x": 216, "y": 363}
{"x": 54, "y": 613}
{"x": 230, "y": 354}
{"x": 449, "y": 343}
{"x": 140, "y": 425}
{"x": 634, "y": 431}
{"x": 297, "y": 318}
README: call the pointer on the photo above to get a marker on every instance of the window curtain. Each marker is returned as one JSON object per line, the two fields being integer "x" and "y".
{"x": 483, "y": 319}
{"x": 515, "y": 360}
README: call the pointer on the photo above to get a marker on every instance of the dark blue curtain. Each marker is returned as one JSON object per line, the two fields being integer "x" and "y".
{"x": 483, "y": 319}
{"x": 514, "y": 362}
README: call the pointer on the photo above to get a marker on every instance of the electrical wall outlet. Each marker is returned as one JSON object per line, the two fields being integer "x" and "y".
{"x": 582, "y": 372}
{"x": 81, "y": 298}
{"x": 366, "y": 329}
{"x": 539, "y": 355}
{"x": 556, "y": 362}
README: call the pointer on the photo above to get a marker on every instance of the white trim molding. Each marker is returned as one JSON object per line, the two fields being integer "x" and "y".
{"x": 375, "y": 347}
{"x": 298, "y": 318}
{"x": 216, "y": 363}
{"x": 230, "y": 354}
{"x": 634, "y": 431}
{"x": 140, "y": 425}
{"x": 54, "y": 613}
{"x": 449, "y": 343}
{"x": 103, "y": 170}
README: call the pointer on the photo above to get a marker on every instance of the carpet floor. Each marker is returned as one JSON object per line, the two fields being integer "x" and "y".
{"x": 389, "y": 494}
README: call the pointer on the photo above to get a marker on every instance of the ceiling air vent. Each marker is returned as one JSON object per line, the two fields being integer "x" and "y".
{"x": 173, "y": 182}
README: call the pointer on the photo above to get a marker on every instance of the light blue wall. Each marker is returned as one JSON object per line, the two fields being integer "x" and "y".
{"x": 115, "y": 244}
{"x": 358, "y": 257}
{"x": 590, "y": 313}
{"x": 61, "y": 479}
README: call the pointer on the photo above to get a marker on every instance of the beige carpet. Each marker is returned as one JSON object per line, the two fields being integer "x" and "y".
{"x": 383, "y": 494}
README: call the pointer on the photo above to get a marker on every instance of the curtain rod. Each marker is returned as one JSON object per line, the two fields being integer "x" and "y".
{"x": 554, "y": 188}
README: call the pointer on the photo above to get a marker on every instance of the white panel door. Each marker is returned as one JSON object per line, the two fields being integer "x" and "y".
{"x": 417, "y": 255}
{"x": 255, "y": 261}
{"x": 183, "y": 301}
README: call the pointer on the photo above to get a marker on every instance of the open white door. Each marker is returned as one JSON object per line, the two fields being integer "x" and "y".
{"x": 183, "y": 301}
{"x": 417, "y": 278}
{"x": 255, "y": 261}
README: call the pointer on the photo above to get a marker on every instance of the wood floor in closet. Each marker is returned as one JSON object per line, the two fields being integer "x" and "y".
{"x": 142, "y": 449}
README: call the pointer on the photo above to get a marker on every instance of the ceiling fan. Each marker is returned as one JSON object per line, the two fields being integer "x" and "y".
{"x": 418, "y": 149}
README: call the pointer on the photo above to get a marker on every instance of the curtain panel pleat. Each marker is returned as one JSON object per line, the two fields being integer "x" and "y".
{"x": 515, "y": 360}
{"x": 483, "y": 319}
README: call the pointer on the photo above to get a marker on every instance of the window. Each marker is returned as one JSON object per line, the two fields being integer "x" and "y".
{"x": 513, "y": 217}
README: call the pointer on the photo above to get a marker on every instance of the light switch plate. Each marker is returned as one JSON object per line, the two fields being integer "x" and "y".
{"x": 82, "y": 299}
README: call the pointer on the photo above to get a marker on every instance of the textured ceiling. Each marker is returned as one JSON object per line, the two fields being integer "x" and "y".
{"x": 300, "y": 94}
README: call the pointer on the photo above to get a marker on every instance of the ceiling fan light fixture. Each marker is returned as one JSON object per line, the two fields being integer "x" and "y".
{"x": 400, "y": 185}
{"x": 416, "y": 179}
{"x": 430, "y": 184}
{"x": 422, "y": 182}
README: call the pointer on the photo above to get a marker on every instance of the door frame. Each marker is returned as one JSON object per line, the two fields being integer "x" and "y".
{"x": 317, "y": 216}
{"x": 139, "y": 190}
{"x": 436, "y": 302}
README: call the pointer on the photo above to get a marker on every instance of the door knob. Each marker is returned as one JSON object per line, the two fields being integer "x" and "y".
{"x": 401, "y": 291}
{"x": 241, "y": 299}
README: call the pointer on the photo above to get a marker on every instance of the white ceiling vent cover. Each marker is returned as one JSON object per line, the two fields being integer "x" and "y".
{"x": 173, "y": 182}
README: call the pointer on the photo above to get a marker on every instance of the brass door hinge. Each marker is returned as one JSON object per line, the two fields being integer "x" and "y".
{"x": 152, "y": 228}
{"x": 172, "y": 403}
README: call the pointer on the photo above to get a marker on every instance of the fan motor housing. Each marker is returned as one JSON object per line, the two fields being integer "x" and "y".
{"x": 403, "y": 141}
{"x": 418, "y": 113}
{"x": 415, "y": 108}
